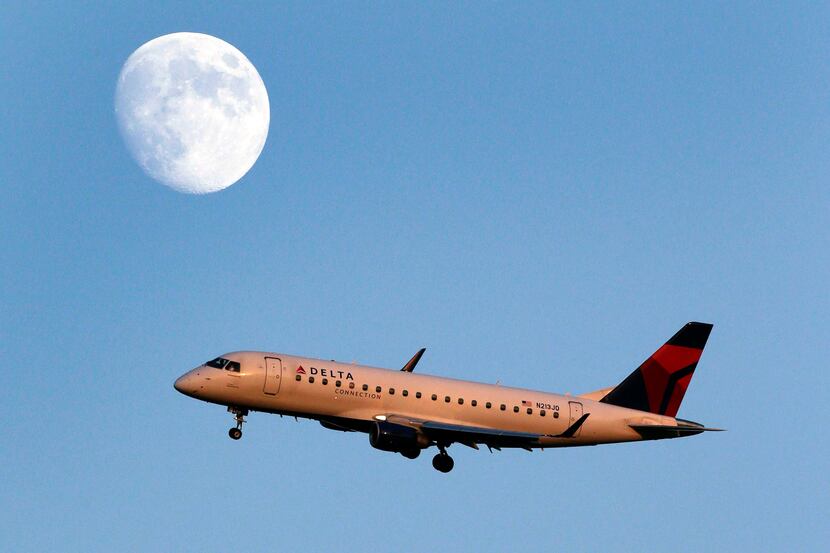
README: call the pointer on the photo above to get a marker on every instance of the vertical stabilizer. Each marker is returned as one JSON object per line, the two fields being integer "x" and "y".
{"x": 659, "y": 384}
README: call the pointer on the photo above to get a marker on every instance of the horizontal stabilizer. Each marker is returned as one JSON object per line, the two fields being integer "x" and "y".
{"x": 598, "y": 394}
{"x": 661, "y": 432}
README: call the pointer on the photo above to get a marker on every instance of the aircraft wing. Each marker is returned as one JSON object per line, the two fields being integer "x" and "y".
{"x": 443, "y": 432}
{"x": 447, "y": 433}
{"x": 473, "y": 435}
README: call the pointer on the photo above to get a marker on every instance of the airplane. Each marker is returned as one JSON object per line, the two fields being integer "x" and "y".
{"x": 405, "y": 412}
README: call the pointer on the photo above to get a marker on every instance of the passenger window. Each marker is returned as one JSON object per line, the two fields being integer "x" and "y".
{"x": 556, "y": 414}
{"x": 417, "y": 395}
{"x": 503, "y": 407}
{"x": 337, "y": 383}
{"x": 446, "y": 399}
{"x": 474, "y": 403}
{"x": 377, "y": 389}
{"x": 542, "y": 413}
{"x": 405, "y": 393}
{"x": 351, "y": 385}
{"x": 488, "y": 405}
{"x": 311, "y": 380}
{"x": 391, "y": 391}
{"x": 461, "y": 401}
{"x": 515, "y": 408}
{"x": 365, "y": 387}
{"x": 325, "y": 381}
{"x": 434, "y": 397}
{"x": 529, "y": 411}
{"x": 298, "y": 377}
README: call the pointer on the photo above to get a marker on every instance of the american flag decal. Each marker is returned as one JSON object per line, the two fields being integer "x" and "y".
{"x": 526, "y": 403}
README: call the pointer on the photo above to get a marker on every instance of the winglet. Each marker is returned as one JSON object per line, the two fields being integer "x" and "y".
{"x": 569, "y": 433}
{"x": 414, "y": 361}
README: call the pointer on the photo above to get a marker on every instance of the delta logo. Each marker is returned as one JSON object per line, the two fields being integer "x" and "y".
{"x": 331, "y": 373}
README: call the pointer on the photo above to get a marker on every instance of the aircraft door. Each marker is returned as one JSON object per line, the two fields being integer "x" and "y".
{"x": 576, "y": 413}
{"x": 273, "y": 375}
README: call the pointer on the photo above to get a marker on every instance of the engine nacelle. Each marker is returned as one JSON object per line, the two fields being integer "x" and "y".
{"x": 388, "y": 436}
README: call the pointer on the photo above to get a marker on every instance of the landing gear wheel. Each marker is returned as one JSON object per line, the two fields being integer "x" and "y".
{"x": 443, "y": 462}
{"x": 411, "y": 453}
{"x": 239, "y": 415}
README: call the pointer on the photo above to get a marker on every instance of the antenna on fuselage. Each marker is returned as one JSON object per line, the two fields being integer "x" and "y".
{"x": 414, "y": 361}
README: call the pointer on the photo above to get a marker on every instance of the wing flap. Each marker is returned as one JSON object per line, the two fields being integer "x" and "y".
{"x": 469, "y": 435}
{"x": 491, "y": 437}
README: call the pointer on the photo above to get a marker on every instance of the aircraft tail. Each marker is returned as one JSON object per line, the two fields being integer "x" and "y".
{"x": 658, "y": 385}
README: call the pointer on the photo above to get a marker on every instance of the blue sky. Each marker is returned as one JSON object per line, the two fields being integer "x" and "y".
{"x": 540, "y": 194}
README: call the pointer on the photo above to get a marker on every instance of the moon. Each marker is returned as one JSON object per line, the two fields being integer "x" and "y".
{"x": 193, "y": 111}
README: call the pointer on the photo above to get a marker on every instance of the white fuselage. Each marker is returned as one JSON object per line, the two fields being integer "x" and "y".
{"x": 329, "y": 391}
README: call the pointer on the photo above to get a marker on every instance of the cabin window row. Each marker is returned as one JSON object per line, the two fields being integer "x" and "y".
{"x": 433, "y": 397}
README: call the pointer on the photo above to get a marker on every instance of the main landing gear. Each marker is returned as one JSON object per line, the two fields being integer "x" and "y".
{"x": 239, "y": 414}
{"x": 411, "y": 453}
{"x": 443, "y": 462}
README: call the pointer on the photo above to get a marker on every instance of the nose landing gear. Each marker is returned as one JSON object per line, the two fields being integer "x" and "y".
{"x": 443, "y": 462}
{"x": 239, "y": 414}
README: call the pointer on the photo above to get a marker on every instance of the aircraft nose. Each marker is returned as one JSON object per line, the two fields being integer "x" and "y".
{"x": 185, "y": 384}
{"x": 179, "y": 384}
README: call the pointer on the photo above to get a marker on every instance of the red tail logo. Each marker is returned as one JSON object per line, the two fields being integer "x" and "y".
{"x": 659, "y": 384}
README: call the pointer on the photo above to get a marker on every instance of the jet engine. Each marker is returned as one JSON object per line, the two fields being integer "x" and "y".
{"x": 397, "y": 438}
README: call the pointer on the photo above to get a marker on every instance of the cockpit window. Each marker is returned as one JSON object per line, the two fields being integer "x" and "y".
{"x": 222, "y": 363}
{"x": 218, "y": 363}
